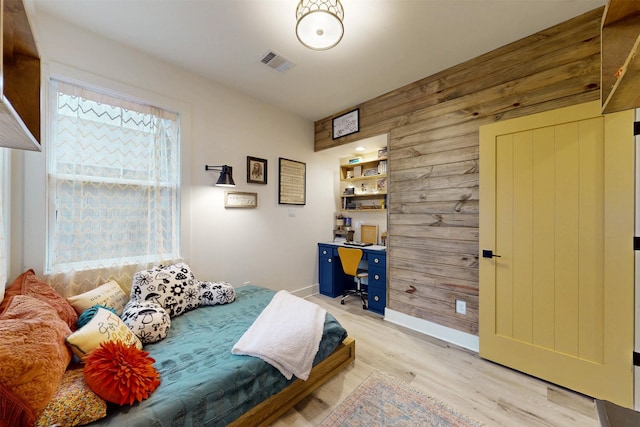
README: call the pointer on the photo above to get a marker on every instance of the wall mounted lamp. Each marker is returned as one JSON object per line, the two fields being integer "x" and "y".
{"x": 319, "y": 23}
{"x": 226, "y": 175}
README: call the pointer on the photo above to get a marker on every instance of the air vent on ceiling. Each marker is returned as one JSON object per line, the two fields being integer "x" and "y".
{"x": 276, "y": 61}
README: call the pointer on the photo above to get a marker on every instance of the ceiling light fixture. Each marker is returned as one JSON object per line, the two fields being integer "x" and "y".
{"x": 319, "y": 23}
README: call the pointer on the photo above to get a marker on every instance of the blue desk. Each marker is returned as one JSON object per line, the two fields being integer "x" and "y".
{"x": 333, "y": 281}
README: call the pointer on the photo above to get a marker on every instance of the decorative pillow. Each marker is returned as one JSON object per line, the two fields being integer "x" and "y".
{"x": 212, "y": 293}
{"x": 34, "y": 358}
{"x": 120, "y": 373}
{"x": 109, "y": 294}
{"x": 29, "y": 284}
{"x": 105, "y": 326}
{"x": 174, "y": 287}
{"x": 148, "y": 320}
{"x": 88, "y": 314}
{"x": 74, "y": 403}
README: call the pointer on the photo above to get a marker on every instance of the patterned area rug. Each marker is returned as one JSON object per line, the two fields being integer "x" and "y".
{"x": 382, "y": 400}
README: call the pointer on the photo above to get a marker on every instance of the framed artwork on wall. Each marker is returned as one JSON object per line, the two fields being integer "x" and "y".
{"x": 239, "y": 199}
{"x": 292, "y": 182}
{"x": 346, "y": 124}
{"x": 256, "y": 170}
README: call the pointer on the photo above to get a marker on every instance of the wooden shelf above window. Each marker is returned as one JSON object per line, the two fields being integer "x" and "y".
{"x": 19, "y": 80}
{"x": 620, "y": 64}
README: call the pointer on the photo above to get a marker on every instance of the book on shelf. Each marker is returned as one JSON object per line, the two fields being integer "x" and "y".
{"x": 382, "y": 166}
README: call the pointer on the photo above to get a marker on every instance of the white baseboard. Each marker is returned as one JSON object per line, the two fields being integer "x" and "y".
{"x": 453, "y": 336}
{"x": 307, "y": 292}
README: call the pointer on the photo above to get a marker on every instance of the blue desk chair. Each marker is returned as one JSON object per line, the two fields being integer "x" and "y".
{"x": 350, "y": 259}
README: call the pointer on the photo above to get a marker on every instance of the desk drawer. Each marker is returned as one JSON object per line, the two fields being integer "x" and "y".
{"x": 377, "y": 277}
{"x": 377, "y": 299}
{"x": 376, "y": 260}
{"x": 326, "y": 251}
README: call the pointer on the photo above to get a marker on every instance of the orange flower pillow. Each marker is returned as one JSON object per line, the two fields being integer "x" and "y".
{"x": 121, "y": 373}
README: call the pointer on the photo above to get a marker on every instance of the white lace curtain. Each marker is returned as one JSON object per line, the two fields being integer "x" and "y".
{"x": 114, "y": 168}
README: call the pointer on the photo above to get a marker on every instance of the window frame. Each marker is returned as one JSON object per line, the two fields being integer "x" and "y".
{"x": 34, "y": 222}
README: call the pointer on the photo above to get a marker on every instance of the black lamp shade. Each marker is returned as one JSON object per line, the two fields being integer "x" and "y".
{"x": 226, "y": 177}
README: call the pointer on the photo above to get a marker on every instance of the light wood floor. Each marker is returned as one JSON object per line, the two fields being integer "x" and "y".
{"x": 492, "y": 394}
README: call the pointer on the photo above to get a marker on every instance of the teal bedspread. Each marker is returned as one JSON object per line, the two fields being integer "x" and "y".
{"x": 202, "y": 383}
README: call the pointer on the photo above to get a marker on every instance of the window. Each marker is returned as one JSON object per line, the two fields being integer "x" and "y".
{"x": 113, "y": 179}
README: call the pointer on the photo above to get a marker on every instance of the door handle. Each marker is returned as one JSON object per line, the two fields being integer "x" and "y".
{"x": 488, "y": 253}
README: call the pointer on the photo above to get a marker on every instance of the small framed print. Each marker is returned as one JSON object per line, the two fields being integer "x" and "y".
{"x": 346, "y": 124}
{"x": 369, "y": 234}
{"x": 239, "y": 199}
{"x": 256, "y": 170}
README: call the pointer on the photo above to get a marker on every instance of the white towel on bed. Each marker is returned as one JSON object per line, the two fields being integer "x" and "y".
{"x": 286, "y": 335}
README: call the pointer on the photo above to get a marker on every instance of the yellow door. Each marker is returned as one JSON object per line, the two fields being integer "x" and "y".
{"x": 557, "y": 207}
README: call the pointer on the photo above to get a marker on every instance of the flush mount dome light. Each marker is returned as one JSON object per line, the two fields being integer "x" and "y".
{"x": 319, "y": 23}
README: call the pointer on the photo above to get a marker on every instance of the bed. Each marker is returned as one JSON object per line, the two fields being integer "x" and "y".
{"x": 202, "y": 383}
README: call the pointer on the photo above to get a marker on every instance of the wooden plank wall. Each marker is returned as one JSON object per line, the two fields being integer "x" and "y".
{"x": 433, "y": 157}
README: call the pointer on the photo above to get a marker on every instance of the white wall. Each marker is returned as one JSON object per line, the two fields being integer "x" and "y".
{"x": 273, "y": 245}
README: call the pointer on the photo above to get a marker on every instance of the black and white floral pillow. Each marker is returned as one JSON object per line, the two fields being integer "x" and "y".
{"x": 213, "y": 293}
{"x": 173, "y": 287}
{"x": 147, "y": 320}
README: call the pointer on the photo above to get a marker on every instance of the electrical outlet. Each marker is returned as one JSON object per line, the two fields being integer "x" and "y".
{"x": 461, "y": 307}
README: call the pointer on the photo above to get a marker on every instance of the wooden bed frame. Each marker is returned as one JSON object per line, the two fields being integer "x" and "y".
{"x": 274, "y": 407}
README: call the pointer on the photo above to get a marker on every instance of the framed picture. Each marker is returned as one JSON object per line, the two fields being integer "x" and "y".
{"x": 369, "y": 234}
{"x": 346, "y": 124}
{"x": 292, "y": 177}
{"x": 256, "y": 170}
{"x": 239, "y": 199}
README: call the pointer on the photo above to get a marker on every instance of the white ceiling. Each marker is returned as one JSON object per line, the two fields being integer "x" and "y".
{"x": 386, "y": 45}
